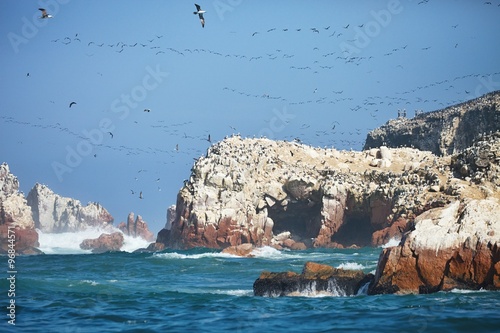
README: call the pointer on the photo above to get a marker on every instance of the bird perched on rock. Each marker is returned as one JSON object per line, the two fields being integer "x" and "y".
{"x": 200, "y": 12}
{"x": 45, "y": 15}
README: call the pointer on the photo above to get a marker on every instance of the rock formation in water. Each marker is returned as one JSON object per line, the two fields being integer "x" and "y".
{"x": 286, "y": 194}
{"x": 104, "y": 243}
{"x": 16, "y": 216}
{"x": 443, "y": 132}
{"x": 136, "y": 228}
{"x": 315, "y": 279}
{"x": 53, "y": 213}
{"x": 457, "y": 246}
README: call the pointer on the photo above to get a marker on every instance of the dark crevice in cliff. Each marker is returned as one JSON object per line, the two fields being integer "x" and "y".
{"x": 301, "y": 218}
{"x": 355, "y": 230}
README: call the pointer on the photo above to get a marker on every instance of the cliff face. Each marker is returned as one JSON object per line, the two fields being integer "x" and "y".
{"x": 15, "y": 215}
{"x": 443, "y": 132}
{"x": 286, "y": 194}
{"x": 53, "y": 213}
{"x": 457, "y": 246}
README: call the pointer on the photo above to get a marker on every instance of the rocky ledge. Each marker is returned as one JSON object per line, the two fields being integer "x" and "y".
{"x": 104, "y": 243}
{"x": 443, "y": 132}
{"x": 315, "y": 279}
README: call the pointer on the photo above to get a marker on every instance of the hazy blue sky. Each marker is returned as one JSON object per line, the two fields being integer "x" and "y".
{"x": 326, "y": 72}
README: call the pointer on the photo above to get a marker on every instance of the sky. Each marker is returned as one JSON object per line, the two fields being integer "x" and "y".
{"x": 151, "y": 85}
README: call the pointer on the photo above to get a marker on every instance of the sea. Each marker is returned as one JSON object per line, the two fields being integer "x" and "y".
{"x": 204, "y": 290}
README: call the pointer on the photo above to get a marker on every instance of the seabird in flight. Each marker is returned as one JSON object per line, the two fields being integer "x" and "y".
{"x": 200, "y": 12}
{"x": 71, "y": 104}
{"x": 44, "y": 13}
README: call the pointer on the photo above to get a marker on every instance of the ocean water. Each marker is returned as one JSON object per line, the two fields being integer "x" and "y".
{"x": 203, "y": 290}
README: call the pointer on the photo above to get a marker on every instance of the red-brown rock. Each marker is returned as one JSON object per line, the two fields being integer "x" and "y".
{"x": 104, "y": 243}
{"x": 137, "y": 228}
{"x": 451, "y": 247}
{"x": 243, "y": 250}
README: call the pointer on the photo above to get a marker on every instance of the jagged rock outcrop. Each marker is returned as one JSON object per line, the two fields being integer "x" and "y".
{"x": 286, "y": 194}
{"x": 289, "y": 195}
{"x": 456, "y": 246}
{"x": 315, "y": 279}
{"x": 443, "y": 132}
{"x": 104, "y": 243}
{"x": 53, "y": 213}
{"x": 15, "y": 215}
{"x": 137, "y": 228}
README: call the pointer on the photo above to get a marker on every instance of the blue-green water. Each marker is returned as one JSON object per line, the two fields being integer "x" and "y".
{"x": 205, "y": 291}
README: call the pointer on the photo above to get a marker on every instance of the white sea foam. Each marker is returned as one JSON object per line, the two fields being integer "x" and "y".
{"x": 69, "y": 242}
{"x": 175, "y": 255}
{"x": 351, "y": 265}
{"x": 392, "y": 242}
{"x": 267, "y": 252}
{"x": 466, "y": 291}
{"x": 236, "y": 292}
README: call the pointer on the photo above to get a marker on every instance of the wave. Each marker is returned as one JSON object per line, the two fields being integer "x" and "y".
{"x": 69, "y": 242}
{"x": 176, "y": 255}
{"x": 351, "y": 266}
{"x": 392, "y": 242}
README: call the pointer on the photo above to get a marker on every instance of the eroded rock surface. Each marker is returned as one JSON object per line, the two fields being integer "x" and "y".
{"x": 456, "y": 246}
{"x": 53, "y": 213}
{"x": 443, "y": 132}
{"x": 136, "y": 228}
{"x": 16, "y": 216}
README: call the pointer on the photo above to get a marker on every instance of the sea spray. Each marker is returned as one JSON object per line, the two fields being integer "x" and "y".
{"x": 69, "y": 242}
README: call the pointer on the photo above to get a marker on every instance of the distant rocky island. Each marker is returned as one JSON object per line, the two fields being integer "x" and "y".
{"x": 44, "y": 210}
{"x": 431, "y": 182}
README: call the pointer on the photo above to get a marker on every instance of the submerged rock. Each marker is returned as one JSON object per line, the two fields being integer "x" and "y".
{"x": 315, "y": 279}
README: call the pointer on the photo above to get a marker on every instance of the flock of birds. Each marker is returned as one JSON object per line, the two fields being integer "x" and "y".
{"x": 323, "y": 60}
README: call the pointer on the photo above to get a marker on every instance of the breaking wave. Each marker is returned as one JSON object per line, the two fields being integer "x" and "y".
{"x": 69, "y": 242}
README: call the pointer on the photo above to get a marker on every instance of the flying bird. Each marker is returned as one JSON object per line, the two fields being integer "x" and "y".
{"x": 147, "y": 110}
{"x": 44, "y": 13}
{"x": 111, "y": 134}
{"x": 200, "y": 12}
{"x": 140, "y": 195}
{"x": 72, "y": 103}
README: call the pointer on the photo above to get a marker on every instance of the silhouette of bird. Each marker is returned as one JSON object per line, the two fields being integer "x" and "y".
{"x": 72, "y": 103}
{"x": 209, "y": 139}
{"x": 200, "y": 12}
{"x": 140, "y": 195}
{"x": 45, "y": 15}
{"x": 111, "y": 134}
{"x": 147, "y": 110}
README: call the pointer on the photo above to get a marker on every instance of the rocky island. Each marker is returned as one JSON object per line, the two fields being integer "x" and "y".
{"x": 48, "y": 212}
{"x": 442, "y": 203}
{"x": 431, "y": 182}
